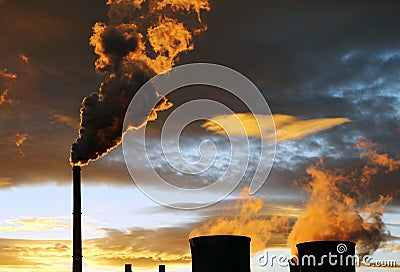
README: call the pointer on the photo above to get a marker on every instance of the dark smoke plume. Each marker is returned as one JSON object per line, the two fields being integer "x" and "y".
{"x": 141, "y": 39}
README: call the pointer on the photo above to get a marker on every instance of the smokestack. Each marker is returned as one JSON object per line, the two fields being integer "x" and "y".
{"x": 327, "y": 256}
{"x": 161, "y": 268}
{"x": 77, "y": 231}
{"x": 220, "y": 253}
{"x": 128, "y": 268}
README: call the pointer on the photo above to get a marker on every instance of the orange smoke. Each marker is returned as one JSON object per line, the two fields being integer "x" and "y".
{"x": 336, "y": 209}
{"x": 247, "y": 222}
{"x": 168, "y": 38}
{"x": 141, "y": 39}
{"x": 367, "y": 150}
{"x": 187, "y": 5}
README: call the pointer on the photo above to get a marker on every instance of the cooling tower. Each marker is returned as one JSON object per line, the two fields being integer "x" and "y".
{"x": 327, "y": 256}
{"x": 220, "y": 253}
{"x": 293, "y": 267}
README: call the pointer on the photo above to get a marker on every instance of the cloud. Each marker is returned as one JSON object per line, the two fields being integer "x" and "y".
{"x": 34, "y": 254}
{"x": 65, "y": 119}
{"x": 33, "y": 224}
{"x": 391, "y": 247}
{"x": 6, "y": 81}
{"x": 287, "y": 127}
{"x": 5, "y": 181}
{"x": 4, "y": 74}
{"x": 24, "y": 58}
{"x": 146, "y": 248}
{"x": 20, "y": 141}
{"x": 4, "y": 97}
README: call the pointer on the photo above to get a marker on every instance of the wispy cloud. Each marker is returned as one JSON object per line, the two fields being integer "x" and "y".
{"x": 4, "y": 74}
{"x": 20, "y": 141}
{"x": 67, "y": 120}
{"x": 259, "y": 126}
{"x": 4, "y": 97}
{"x": 24, "y": 58}
{"x": 33, "y": 224}
{"x": 34, "y": 255}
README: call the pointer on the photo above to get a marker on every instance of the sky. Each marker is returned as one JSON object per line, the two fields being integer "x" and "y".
{"x": 329, "y": 71}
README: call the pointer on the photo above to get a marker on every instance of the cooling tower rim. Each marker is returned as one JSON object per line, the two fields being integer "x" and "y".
{"x": 206, "y": 237}
{"x": 325, "y": 242}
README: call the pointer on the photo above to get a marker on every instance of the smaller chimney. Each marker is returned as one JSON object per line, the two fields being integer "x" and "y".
{"x": 128, "y": 268}
{"x": 161, "y": 268}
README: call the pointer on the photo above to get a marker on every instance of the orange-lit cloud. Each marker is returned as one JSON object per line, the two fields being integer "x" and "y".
{"x": 6, "y": 81}
{"x": 248, "y": 221}
{"x": 145, "y": 248}
{"x": 4, "y": 97}
{"x": 20, "y": 141}
{"x": 34, "y": 255}
{"x": 24, "y": 58}
{"x": 4, "y": 74}
{"x": 287, "y": 127}
{"x": 5, "y": 181}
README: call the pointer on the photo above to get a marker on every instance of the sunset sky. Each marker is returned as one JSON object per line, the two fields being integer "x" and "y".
{"x": 329, "y": 70}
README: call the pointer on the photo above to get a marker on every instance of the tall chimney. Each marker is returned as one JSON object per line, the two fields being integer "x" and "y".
{"x": 77, "y": 231}
{"x": 327, "y": 256}
{"x": 220, "y": 253}
{"x": 161, "y": 268}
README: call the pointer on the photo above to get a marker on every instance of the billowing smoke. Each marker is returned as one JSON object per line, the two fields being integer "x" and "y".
{"x": 338, "y": 209}
{"x": 248, "y": 221}
{"x": 141, "y": 39}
